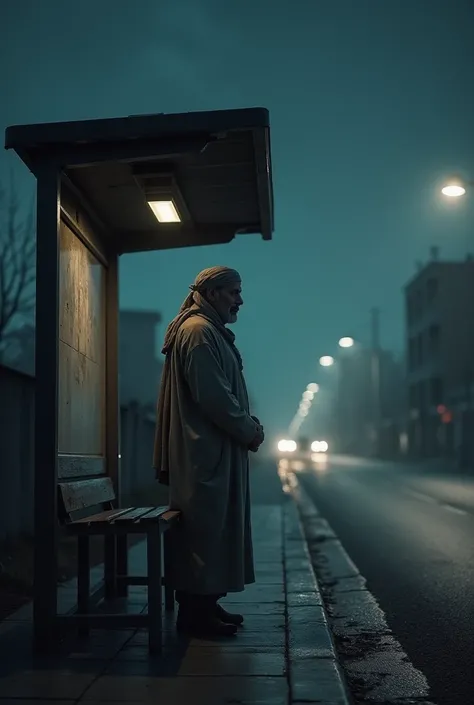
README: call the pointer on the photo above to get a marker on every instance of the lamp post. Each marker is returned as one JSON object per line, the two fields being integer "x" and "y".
{"x": 349, "y": 410}
{"x": 375, "y": 379}
{"x": 340, "y": 416}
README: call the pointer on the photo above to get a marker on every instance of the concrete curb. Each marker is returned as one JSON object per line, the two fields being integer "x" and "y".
{"x": 314, "y": 672}
{"x": 375, "y": 664}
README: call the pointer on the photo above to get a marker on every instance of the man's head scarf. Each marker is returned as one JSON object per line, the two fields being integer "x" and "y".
{"x": 195, "y": 304}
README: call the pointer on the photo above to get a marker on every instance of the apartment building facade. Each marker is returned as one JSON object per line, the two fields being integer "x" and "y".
{"x": 439, "y": 308}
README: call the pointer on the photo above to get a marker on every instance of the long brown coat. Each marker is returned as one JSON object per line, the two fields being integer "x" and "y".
{"x": 203, "y": 433}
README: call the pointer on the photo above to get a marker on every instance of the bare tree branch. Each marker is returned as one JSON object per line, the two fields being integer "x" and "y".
{"x": 17, "y": 263}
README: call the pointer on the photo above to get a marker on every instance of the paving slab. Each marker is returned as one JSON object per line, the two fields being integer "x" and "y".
{"x": 47, "y": 684}
{"x": 200, "y": 690}
{"x": 263, "y": 639}
{"x": 318, "y": 681}
{"x": 298, "y": 583}
{"x": 20, "y": 701}
{"x": 259, "y": 594}
{"x": 269, "y": 577}
{"x": 256, "y": 621}
{"x": 250, "y": 609}
{"x": 220, "y": 662}
{"x": 300, "y": 599}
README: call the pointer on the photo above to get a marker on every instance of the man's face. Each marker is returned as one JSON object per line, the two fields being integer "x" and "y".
{"x": 227, "y": 301}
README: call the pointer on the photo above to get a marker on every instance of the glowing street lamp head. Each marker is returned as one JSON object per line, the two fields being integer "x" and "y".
{"x": 313, "y": 387}
{"x": 454, "y": 189}
{"x": 326, "y": 361}
{"x": 346, "y": 342}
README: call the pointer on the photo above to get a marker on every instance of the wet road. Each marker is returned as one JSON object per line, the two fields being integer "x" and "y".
{"x": 411, "y": 535}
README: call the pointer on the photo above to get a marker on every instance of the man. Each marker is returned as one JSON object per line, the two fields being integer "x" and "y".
{"x": 204, "y": 433}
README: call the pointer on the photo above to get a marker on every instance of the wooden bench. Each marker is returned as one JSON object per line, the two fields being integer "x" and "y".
{"x": 87, "y": 509}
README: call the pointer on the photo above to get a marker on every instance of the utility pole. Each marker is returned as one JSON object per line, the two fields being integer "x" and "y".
{"x": 375, "y": 328}
{"x": 375, "y": 378}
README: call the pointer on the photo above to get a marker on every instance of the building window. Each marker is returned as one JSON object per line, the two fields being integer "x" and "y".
{"x": 419, "y": 305}
{"x": 419, "y": 351}
{"x": 410, "y": 313}
{"x": 411, "y": 354}
{"x": 421, "y": 395}
{"x": 436, "y": 391}
{"x": 431, "y": 289}
{"x": 434, "y": 335}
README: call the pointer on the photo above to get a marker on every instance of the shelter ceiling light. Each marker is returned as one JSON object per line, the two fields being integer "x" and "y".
{"x": 162, "y": 193}
{"x": 165, "y": 211}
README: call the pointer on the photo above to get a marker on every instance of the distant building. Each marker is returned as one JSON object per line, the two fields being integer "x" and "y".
{"x": 392, "y": 408}
{"x": 355, "y": 407}
{"x": 140, "y": 367}
{"x": 370, "y": 402}
{"x": 439, "y": 305}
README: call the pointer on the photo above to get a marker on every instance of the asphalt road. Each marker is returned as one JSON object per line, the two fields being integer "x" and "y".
{"x": 411, "y": 535}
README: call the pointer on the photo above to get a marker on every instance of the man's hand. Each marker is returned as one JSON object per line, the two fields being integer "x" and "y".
{"x": 259, "y": 438}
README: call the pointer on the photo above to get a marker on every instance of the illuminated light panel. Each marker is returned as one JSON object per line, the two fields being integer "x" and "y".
{"x": 165, "y": 211}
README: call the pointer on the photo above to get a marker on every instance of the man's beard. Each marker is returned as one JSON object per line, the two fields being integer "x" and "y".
{"x": 233, "y": 314}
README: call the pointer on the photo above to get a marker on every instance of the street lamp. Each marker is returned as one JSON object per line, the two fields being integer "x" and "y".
{"x": 346, "y": 342}
{"x": 326, "y": 361}
{"x": 455, "y": 188}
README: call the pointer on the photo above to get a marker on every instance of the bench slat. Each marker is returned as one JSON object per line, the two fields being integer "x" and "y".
{"x": 156, "y": 513}
{"x": 108, "y": 516}
{"x": 134, "y": 515}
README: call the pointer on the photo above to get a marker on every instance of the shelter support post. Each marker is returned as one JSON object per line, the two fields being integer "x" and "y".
{"x": 113, "y": 548}
{"x": 46, "y": 403}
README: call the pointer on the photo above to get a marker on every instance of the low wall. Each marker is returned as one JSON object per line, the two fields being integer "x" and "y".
{"x": 17, "y": 402}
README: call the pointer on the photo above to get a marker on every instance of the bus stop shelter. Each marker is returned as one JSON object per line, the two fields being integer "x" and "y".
{"x": 105, "y": 188}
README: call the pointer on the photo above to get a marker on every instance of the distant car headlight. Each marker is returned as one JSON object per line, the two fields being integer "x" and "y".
{"x": 285, "y": 446}
{"x": 319, "y": 447}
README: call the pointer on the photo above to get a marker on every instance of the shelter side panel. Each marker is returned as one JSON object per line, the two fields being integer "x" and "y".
{"x": 81, "y": 348}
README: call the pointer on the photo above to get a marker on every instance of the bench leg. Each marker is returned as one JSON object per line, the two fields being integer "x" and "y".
{"x": 154, "y": 589}
{"x": 169, "y": 591}
{"x": 83, "y": 580}
{"x": 122, "y": 565}
{"x": 110, "y": 566}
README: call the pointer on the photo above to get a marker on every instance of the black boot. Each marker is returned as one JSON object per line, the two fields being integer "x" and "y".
{"x": 197, "y": 617}
{"x": 229, "y": 617}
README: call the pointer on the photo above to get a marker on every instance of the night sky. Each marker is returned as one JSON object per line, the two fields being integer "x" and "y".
{"x": 371, "y": 106}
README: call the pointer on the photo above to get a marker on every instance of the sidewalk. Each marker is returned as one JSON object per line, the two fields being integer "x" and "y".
{"x": 284, "y": 653}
